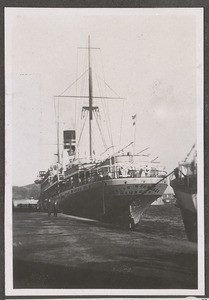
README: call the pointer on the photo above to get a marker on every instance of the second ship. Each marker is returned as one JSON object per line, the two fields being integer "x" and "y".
{"x": 184, "y": 184}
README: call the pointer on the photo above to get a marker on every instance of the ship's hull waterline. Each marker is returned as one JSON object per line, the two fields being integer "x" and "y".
{"x": 120, "y": 201}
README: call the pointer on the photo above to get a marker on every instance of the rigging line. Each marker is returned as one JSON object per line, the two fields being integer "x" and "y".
{"x": 110, "y": 129}
{"x": 109, "y": 86}
{"x": 83, "y": 83}
{"x": 55, "y": 113}
{"x": 108, "y": 115}
{"x": 55, "y": 109}
{"x": 105, "y": 113}
{"x": 41, "y": 113}
{"x": 100, "y": 93}
{"x": 111, "y": 89}
{"x": 142, "y": 150}
{"x": 149, "y": 188}
{"x": 81, "y": 131}
{"x": 108, "y": 121}
{"x": 121, "y": 125}
{"x": 190, "y": 152}
{"x": 97, "y": 72}
{"x": 154, "y": 184}
{"x": 94, "y": 64}
{"x": 84, "y": 67}
{"x": 102, "y": 136}
{"x": 99, "y": 86}
{"x": 104, "y": 104}
{"x": 123, "y": 148}
{"x": 76, "y": 89}
{"x": 73, "y": 83}
{"x": 80, "y": 101}
{"x": 105, "y": 92}
{"x": 93, "y": 143}
{"x": 103, "y": 71}
{"x": 106, "y": 150}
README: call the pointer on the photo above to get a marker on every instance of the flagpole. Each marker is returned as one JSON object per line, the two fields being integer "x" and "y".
{"x": 134, "y": 118}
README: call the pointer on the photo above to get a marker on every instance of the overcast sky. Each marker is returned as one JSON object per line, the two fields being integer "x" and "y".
{"x": 148, "y": 56}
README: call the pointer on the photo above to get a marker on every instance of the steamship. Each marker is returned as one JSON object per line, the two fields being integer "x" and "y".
{"x": 116, "y": 188}
{"x": 184, "y": 184}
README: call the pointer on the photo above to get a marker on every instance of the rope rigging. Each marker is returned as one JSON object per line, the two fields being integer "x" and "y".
{"x": 103, "y": 102}
{"x": 107, "y": 85}
{"x": 80, "y": 104}
{"x": 190, "y": 152}
{"x": 102, "y": 136}
{"x": 104, "y": 109}
{"x": 106, "y": 115}
{"x": 76, "y": 90}
{"x": 121, "y": 125}
{"x": 81, "y": 131}
{"x": 82, "y": 89}
{"x": 73, "y": 83}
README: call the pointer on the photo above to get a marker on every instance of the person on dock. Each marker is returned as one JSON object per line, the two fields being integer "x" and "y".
{"x": 49, "y": 207}
{"x": 55, "y": 209}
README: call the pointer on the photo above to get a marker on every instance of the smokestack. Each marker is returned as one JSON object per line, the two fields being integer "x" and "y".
{"x": 69, "y": 138}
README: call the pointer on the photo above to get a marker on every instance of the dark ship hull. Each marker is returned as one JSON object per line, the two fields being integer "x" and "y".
{"x": 120, "y": 201}
{"x": 186, "y": 195}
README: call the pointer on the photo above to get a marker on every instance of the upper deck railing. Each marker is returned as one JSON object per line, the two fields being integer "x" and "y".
{"x": 123, "y": 166}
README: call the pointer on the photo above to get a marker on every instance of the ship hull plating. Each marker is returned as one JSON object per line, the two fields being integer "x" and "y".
{"x": 120, "y": 201}
{"x": 187, "y": 202}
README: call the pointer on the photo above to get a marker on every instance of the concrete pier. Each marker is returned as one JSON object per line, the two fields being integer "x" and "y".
{"x": 66, "y": 252}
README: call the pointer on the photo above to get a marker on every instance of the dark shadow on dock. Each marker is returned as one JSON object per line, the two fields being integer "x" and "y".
{"x": 38, "y": 275}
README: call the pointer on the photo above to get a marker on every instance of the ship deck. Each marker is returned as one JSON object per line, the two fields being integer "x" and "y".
{"x": 67, "y": 252}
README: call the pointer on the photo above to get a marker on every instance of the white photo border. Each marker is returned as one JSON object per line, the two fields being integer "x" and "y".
{"x": 9, "y": 290}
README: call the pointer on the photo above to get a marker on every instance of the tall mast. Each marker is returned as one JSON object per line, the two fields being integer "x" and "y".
{"x": 90, "y": 99}
{"x": 90, "y": 108}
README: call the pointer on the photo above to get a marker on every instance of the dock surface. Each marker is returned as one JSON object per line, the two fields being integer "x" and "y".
{"x": 67, "y": 252}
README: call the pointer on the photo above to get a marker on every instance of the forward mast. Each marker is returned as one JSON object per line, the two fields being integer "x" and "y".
{"x": 90, "y": 108}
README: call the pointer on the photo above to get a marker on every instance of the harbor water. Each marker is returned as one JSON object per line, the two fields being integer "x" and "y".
{"x": 163, "y": 221}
